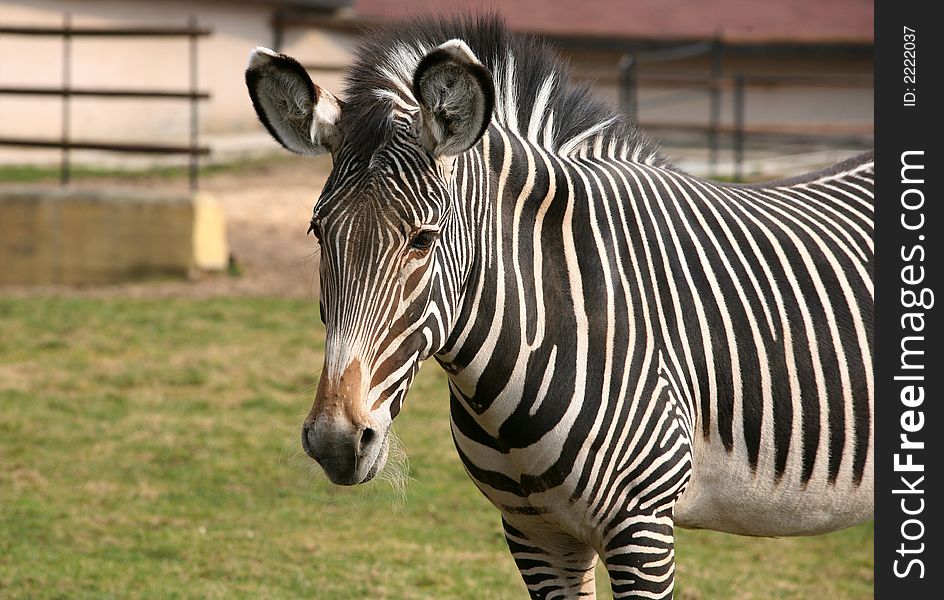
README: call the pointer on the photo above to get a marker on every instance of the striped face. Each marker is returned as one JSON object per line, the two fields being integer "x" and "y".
{"x": 394, "y": 254}
{"x": 384, "y": 233}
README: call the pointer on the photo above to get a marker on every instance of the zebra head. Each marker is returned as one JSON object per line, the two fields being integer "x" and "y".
{"x": 394, "y": 249}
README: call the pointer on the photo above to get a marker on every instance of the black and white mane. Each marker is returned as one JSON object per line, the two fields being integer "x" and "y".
{"x": 534, "y": 93}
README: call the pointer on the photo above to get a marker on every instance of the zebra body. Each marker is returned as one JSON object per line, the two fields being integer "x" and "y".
{"x": 628, "y": 347}
{"x": 655, "y": 340}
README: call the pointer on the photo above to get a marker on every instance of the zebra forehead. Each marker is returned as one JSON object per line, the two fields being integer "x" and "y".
{"x": 386, "y": 190}
{"x": 383, "y": 195}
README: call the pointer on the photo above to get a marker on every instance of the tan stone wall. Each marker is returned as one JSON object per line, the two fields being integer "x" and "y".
{"x": 83, "y": 236}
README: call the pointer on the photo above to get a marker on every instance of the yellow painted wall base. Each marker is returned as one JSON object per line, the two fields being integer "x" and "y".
{"x": 94, "y": 236}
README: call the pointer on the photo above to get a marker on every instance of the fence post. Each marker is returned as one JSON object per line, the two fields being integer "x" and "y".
{"x": 64, "y": 166}
{"x": 628, "y": 85}
{"x": 194, "y": 115}
{"x": 738, "y": 127}
{"x": 278, "y": 29}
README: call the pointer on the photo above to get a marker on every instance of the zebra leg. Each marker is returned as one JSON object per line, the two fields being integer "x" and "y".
{"x": 640, "y": 558}
{"x": 553, "y": 564}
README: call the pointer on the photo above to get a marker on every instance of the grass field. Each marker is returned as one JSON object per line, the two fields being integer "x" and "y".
{"x": 149, "y": 449}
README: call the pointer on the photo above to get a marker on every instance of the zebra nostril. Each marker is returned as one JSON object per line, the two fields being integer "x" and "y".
{"x": 306, "y": 442}
{"x": 367, "y": 436}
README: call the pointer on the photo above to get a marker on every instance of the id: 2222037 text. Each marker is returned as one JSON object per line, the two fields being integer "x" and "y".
{"x": 910, "y": 73}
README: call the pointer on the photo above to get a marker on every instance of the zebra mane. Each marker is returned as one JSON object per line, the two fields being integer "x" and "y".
{"x": 534, "y": 94}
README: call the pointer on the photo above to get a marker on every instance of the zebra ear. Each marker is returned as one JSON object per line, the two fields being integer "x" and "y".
{"x": 456, "y": 96}
{"x": 300, "y": 115}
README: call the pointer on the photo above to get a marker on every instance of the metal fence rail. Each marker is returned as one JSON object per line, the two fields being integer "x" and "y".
{"x": 716, "y": 83}
{"x": 66, "y": 91}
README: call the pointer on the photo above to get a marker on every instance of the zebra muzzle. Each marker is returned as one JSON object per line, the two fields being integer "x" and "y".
{"x": 349, "y": 454}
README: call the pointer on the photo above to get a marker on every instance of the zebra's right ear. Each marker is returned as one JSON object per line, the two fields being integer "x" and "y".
{"x": 300, "y": 115}
{"x": 456, "y": 96}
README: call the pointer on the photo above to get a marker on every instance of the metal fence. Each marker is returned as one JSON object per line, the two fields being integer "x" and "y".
{"x": 717, "y": 83}
{"x": 68, "y": 33}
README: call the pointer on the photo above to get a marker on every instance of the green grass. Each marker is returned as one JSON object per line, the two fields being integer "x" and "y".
{"x": 149, "y": 450}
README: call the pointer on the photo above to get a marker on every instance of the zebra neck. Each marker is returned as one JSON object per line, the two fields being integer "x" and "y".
{"x": 535, "y": 293}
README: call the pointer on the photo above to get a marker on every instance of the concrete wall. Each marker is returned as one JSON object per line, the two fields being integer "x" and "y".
{"x": 80, "y": 236}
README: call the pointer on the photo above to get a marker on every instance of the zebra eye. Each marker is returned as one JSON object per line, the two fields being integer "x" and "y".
{"x": 313, "y": 229}
{"x": 423, "y": 240}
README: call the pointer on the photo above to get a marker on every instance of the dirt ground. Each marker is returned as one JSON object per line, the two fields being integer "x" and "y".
{"x": 267, "y": 205}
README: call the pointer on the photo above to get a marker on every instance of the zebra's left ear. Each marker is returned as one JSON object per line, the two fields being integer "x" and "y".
{"x": 456, "y": 96}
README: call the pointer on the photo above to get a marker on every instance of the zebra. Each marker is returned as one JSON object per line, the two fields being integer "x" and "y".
{"x": 629, "y": 348}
